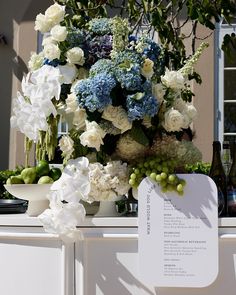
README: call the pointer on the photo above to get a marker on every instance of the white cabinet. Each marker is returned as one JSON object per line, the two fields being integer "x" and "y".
{"x": 104, "y": 263}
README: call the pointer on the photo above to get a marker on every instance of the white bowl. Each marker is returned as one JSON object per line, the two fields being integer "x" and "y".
{"x": 35, "y": 194}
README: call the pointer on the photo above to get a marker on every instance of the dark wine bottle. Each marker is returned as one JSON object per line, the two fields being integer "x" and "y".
{"x": 218, "y": 175}
{"x": 231, "y": 185}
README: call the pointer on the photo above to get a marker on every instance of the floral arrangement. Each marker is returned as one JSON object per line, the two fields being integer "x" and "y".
{"x": 121, "y": 99}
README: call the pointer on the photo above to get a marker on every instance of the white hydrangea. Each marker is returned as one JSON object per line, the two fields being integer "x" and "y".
{"x": 36, "y": 61}
{"x": 66, "y": 145}
{"x": 191, "y": 111}
{"x": 180, "y": 105}
{"x": 47, "y": 40}
{"x": 75, "y": 55}
{"x": 59, "y": 33}
{"x": 173, "y": 79}
{"x": 51, "y": 51}
{"x": 68, "y": 73}
{"x": 173, "y": 120}
{"x": 118, "y": 117}
{"x": 147, "y": 68}
{"x": 92, "y": 136}
{"x": 72, "y": 186}
{"x": 55, "y": 14}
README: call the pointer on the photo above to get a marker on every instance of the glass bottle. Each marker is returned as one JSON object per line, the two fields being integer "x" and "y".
{"x": 218, "y": 175}
{"x": 231, "y": 186}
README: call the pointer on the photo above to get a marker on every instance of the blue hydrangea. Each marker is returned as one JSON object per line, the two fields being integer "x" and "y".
{"x": 140, "y": 105}
{"x": 130, "y": 79}
{"x": 100, "y": 26}
{"x": 102, "y": 66}
{"x": 75, "y": 37}
{"x": 94, "y": 93}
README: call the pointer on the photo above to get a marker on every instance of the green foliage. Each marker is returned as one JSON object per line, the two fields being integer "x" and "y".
{"x": 199, "y": 167}
{"x": 4, "y": 175}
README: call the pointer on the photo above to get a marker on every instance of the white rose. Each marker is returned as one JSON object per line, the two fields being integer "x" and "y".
{"x": 173, "y": 79}
{"x": 75, "y": 56}
{"x": 191, "y": 111}
{"x": 147, "y": 69}
{"x": 71, "y": 103}
{"x": 59, "y": 33}
{"x": 55, "y": 13}
{"x": 52, "y": 51}
{"x": 66, "y": 145}
{"x": 187, "y": 120}
{"x": 93, "y": 136}
{"x": 173, "y": 120}
{"x": 48, "y": 40}
{"x": 118, "y": 117}
{"x": 158, "y": 91}
{"x": 42, "y": 24}
{"x": 36, "y": 61}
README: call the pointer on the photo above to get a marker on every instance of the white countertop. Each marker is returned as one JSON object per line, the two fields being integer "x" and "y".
{"x": 90, "y": 221}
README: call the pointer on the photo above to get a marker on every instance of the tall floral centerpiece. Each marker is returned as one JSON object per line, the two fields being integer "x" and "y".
{"x": 128, "y": 112}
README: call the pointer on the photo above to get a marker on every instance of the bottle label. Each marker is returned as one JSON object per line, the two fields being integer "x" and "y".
{"x": 231, "y": 197}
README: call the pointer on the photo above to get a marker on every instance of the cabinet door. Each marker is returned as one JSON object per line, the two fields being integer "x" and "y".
{"x": 107, "y": 264}
{"x": 34, "y": 264}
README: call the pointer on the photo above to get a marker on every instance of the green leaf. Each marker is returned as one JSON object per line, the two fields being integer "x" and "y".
{"x": 138, "y": 135}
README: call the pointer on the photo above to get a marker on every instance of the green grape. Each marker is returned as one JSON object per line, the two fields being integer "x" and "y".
{"x": 153, "y": 175}
{"x": 165, "y": 169}
{"x": 154, "y": 171}
{"x": 132, "y": 182}
{"x": 148, "y": 172}
{"x": 172, "y": 178}
{"x": 158, "y": 177}
{"x": 133, "y": 176}
{"x": 136, "y": 171}
{"x": 183, "y": 182}
{"x": 146, "y": 164}
{"x": 179, "y": 188}
{"x": 163, "y": 183}
{"x": 159, "y": 167}
{"x": 143, "y": 170}
{"x": 163, "y": 175}
{"x": 164, "y": 189}
{"x": 170, "y": 187}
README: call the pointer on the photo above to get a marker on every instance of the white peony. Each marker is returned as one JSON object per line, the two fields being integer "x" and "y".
{"x": 51, "y": 51}
{"x": 75, "y": 55}
{"x": 118, "y": 117}
{"x": 93, "y": 135}
{"x": 158, "y": 91}
{"x": 59, "y": 33}
{"x": 173, "y": 79}
{"x": 36, "y": 61}
{"x": 180, "y": 105}
{"x": 147, "y": 68}
{"x": 42, "y": 23}
{"x": 55, "y": 13}
{"x": 66, "y": 145}
{"x": 173, "y": 120}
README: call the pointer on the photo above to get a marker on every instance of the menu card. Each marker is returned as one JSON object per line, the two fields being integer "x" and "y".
{"x": 178, "y": 235}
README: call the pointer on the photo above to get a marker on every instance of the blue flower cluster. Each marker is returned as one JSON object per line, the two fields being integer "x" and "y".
{"x": 100, "y": 26}
{"x": 137, "y": 109}
{"x": 102, "y": 66}
{"x": 94, "y": 93}
{"x": 75, "y": 37}
{"x": 130, "y": 79}
{"x": 99, "y": 47}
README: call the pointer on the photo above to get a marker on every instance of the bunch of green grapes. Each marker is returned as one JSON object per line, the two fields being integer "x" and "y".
{"x": 160, "y": 170}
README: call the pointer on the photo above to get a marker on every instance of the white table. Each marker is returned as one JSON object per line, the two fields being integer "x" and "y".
{"x": 105, "y": 262}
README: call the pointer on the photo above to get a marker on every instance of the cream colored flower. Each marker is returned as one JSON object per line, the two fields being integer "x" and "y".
{"x": 191, "y": 111}
{"x": 173, "y": 79}
{"x": 55, "y": 13}
{"x": 36, "y": 61}
{"x": 93, "y": 135}
{"x": 48, "y": 40}
{"x": 173, "y": 120}
{"x": 52, "y": 51}
{"x": 59, "y": 33}
{"x": 118, "y": 117}
{"x": 42, "y": 24}
{"x": 147, "y": 68}
{"x": 66, "y": 145}
{"x": 75, "y": 56}
{"x": 180, "y": 105}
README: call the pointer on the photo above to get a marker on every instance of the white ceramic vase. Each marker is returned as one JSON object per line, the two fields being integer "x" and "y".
{"x": 107, "y": 209}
